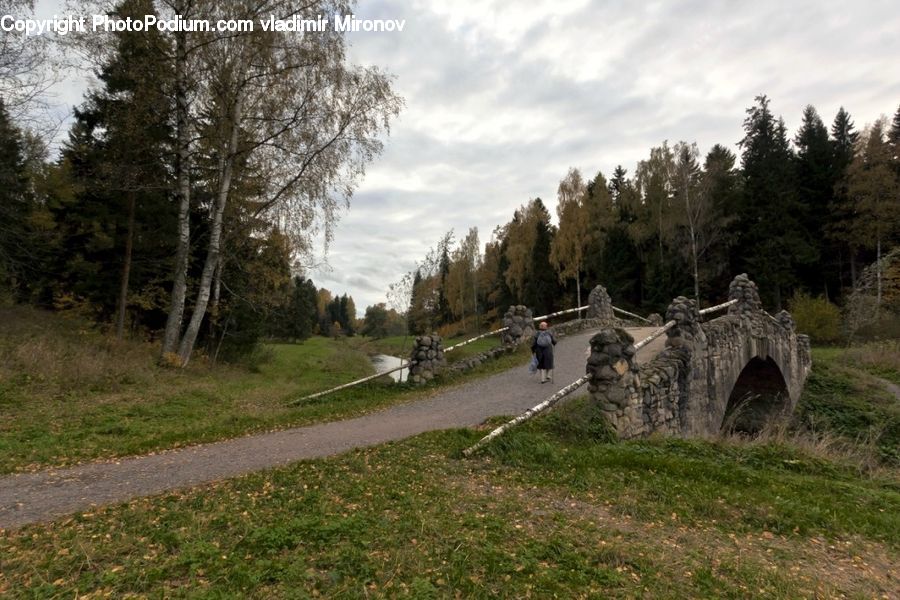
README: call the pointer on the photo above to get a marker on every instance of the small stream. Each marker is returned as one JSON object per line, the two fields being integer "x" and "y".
{"x": 386, "y": 362}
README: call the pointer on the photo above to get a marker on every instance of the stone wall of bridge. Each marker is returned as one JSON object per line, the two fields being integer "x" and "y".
{"x": 738, "y": 370}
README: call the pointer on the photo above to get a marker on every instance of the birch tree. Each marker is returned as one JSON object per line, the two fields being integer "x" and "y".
{"x": 570, "y": 243}
{"x": 26, "y": 71}
{"x": 692, "y": 201}
{"x": 288, "y": 109}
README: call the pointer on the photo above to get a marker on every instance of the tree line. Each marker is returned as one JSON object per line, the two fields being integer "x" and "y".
{"x": 800, "y": 215}
{"x": 194, "y": 177}
{"x": 200, "y": 167}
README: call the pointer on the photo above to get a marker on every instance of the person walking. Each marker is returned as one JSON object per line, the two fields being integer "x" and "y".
{"x": 542, "y": 348}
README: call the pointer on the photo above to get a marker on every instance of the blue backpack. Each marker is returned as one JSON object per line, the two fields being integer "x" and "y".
{"x": 544, "y": 340}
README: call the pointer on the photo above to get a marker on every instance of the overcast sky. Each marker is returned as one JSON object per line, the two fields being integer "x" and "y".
{"x": 502, "y": 97}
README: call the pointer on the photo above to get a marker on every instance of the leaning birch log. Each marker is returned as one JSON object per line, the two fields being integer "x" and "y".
{"x": 470, "y": 340}
{"x": 654, "y": 335}
{"x": 718, "y": 307}
{"x": 346, "y": 385}
{"x": 528, "y": 414}
{"x": 630, "y": 314}
{"x": 556, "y": 314}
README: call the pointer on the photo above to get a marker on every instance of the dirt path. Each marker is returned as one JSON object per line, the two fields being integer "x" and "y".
{"x": 42, "y": 496}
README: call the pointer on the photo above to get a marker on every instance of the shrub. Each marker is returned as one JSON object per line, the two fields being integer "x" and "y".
{"x": 816, "y": 317}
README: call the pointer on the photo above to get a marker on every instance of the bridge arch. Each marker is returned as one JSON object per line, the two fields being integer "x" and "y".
{"x": 759, "y": 395}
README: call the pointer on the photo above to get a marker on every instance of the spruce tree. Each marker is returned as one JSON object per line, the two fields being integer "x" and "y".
{"x": 722, "y": 182}
{"x": 117, "y": 231}
{"x": 541, "y": 285}
{"x": 843, "y": 150}
{"x": 894, "y": 133}
{"x": 15, "y": 205}
{"x": 894, "y": 141}
{"x": 774, "y": 242}
{"x": 617, "y": 183}
{"x": 815, "y": 190}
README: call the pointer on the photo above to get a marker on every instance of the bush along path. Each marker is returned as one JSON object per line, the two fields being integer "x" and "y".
{"x": 30, "y": 497}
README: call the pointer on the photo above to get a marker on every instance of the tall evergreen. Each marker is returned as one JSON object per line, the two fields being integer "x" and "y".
{"x": 815, "y": 183}
{"x": 843, "y": 150}
{"x": 894, "y": 133}
{"x": 117, "y": 229}
{"x": 722, "y": 183}
{"x": 617, "y": 182}
{"x": 299, "y": 318}
{"x": 600, "y": 208}
{"x": 893, "y": 137}
{"x": 15, "y": 205}
{"x": 444, "y": 314}
{"x": 541, "y": 286}
{"x": 774, "y": 242}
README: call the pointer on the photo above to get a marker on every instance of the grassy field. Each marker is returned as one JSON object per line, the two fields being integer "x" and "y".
{"x": 846, "y": 397}
{"x": 69, "y": 394}
{"x": 810, "y": 509}
{"x": 545, "y": 512}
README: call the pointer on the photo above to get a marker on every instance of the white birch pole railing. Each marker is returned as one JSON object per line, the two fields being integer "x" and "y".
{"x": 477, "y": 337}
{"x": 630, "y": 314}
{"x": 556, "y": 314}
{"x": 706, "y": 311}
{"x": 654, "y": 335}
{"x": 528, "y": 414}
{"x": 347, "y": 385}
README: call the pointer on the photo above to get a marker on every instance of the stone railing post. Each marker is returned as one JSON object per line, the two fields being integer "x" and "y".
{"x": 746, "y": 293}
{"x": 687, "y": 330}
{"x": 519, "y": 319}
{"x": 614, "y": 380}
{"x": 427, "y": 358}
{"x": 600, "y": 305}
{"x": 786, "y": 321}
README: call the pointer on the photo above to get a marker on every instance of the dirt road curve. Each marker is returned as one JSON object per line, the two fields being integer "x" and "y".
{"x": 28, "y": 498}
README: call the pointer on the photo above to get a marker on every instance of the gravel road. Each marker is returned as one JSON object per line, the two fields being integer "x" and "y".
{"x": 31, "y": 497}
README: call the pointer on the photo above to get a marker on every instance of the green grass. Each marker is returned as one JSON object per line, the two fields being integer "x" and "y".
{"x": 839, "y": 397}
{"x": 541, "y": 514}
{"x": 69, "y": 394}
{"x": 555, "y": 508}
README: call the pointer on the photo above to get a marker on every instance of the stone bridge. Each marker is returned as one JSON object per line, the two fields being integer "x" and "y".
{"x": 734, "y": 372}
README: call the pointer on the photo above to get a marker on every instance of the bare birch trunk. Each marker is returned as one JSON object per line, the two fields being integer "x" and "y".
{"x": 182, "y": 167}
{"x": 696, "y": 268}
{"x": 578, "y": 288}
{"x": 215, "y": 237}
{"x": 126, "y": 268}
{"x": 214, "y": 301}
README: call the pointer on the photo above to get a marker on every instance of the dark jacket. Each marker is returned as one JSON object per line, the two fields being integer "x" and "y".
{"x": 544, "y": 354}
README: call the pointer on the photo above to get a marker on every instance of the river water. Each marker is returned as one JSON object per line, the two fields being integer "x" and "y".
{"x": 386, "y": 362}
